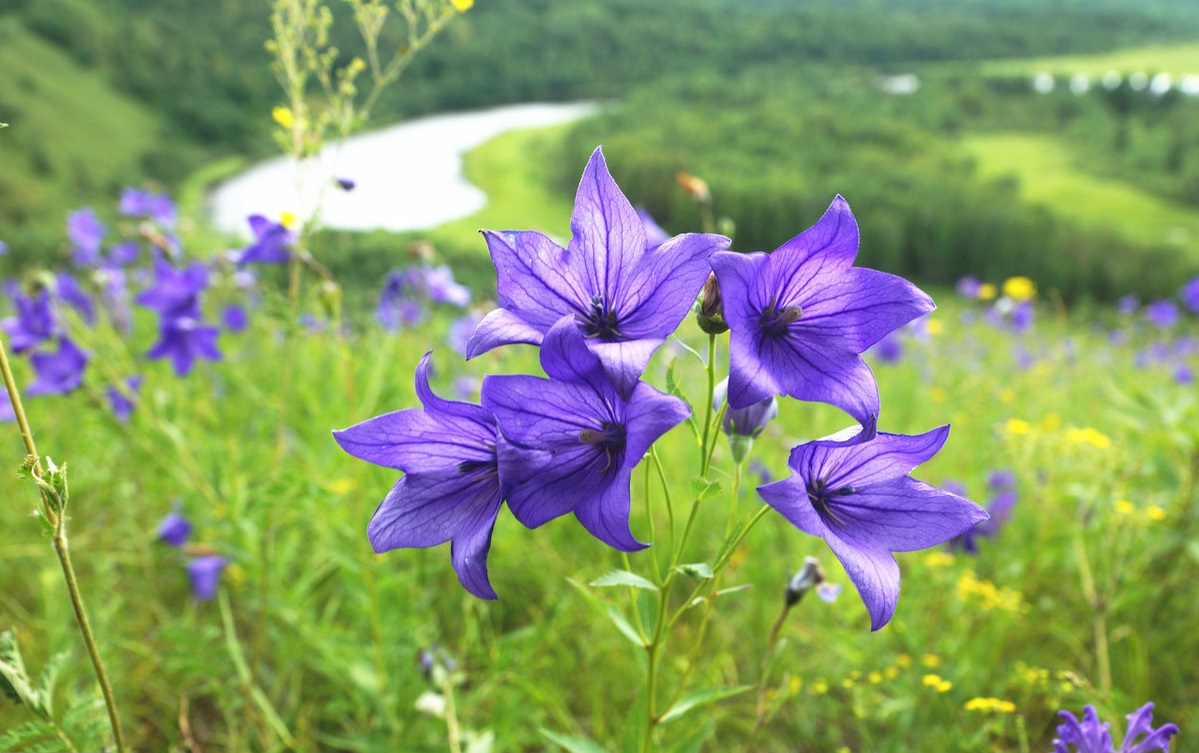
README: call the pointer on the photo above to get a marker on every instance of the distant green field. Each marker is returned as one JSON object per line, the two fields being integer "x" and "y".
{"x": 1049, "y": 174}
{"x": 1178, "y": 59}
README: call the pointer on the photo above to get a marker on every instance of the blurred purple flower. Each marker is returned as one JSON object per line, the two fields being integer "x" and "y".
{"x": 68, "y": 291}
{"x": 1022, "y": 317}
{"x": 654, "y": 234}
{"x": 3, "y": 248}
{"x": 889, "y": 349}
{"x": 461, "y": 329}
{"x": 968, "y": 286}
{"x": 1189, "y": 293}
{"x": 176, "y": 293}
{"x": 745, "y": 422}
{"x": 1128, "y": 304}
{"x": 451, "y": 487}
{"x": 1092, "y": 736}
{"x": 801, "y": 316}
{"x": 828, "y": 592}
{"x": 397, "y": 308}
{"x": 1001, "y": 480}
{"x": 272, "y": 242}
{"x": 466, "y": 387}
{"x": 1162, "y": 314}
{"x": 234, "y": 317}
{"x": 124, "y": 253}
{"x": 59, "y": 372}
{"x": 857, "y": 495}
{"x": 174, "y": 529}
{"x": 135, "y": 202}
{"x": 34, "y": 323}
{"x": 761, "y": 470}
{"x": 122, "y": 406}
{"x": 205, "y": 575}
{"x": 345, "y": 184}
{"x": 1184, "y": 374}
{"x": 183, "y": 340}
{"x": 85, "y": 232}
{"x": 569, "y": 443}
{"x": 623, "y": 296}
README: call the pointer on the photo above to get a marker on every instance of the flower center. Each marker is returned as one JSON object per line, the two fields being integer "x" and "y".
{"x": 610, "y": 439}
{"x": 774, "y": 320}
{"x": 599, "y": 321}
{"x": 823, "y": 498}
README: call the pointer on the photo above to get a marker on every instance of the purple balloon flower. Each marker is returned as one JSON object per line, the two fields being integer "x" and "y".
{"x": 183, "y": 340}
{"x": 234, "y": 317}
{"x": 85, "y": 232}
{"x": 1128, "y": 304}
{"x": 176, "y": 293}
{"x": 569, "y": 443}
{"x": 654, "y": 234}
{"x": 745, "y": 422}
{"x": 968, "y": 286}
{"x": 135, "y": 202}
{"x": 451, "y": 487}
{"x": 1162, "y": 314}
{"x": 122, "y": 406}
{"x": 69, "y": 292}
{"x": 205, "y": 575}
{"x": 1092, "y": 736}
{"x": 623, "y": 296}
{"x": 800, "y": 317}
{"x": 857, "y": 495}
{"x": 271, "y": 244}
{"x": 437, "y": 284}
{"x": 1189, "y": 293}
{"x": 889, "y": 349}
{"x": 34, "y": 323}
{"x": 174, "y": 529}
{"x": 59, "y": 372}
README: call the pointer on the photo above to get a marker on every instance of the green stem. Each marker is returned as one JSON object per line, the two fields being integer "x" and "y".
{"x": 64, "y": 556}
{"x": 763, "y": 675}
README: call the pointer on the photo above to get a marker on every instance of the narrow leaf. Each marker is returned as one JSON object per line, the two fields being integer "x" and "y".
{"x": 701, "y": 698}
{"x": 572, "y": 744}
{"x": 623, "y": 578}
{"x": 697, "y": 570}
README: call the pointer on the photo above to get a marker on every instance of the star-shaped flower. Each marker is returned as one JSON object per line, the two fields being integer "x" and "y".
{"x": 85, "y": 232}
{"x": 569, "y": 443}
{"x": 1092, "y": 736}
{"x": 801, "y": 316}
{"x": 272, "y": 242}
{"x": 183, "y": 340}
{"x": 34, "y": 323}
{"x": 176, "y": 293}
{"x": 59, "y": 372}
{"x": 856, "y": 494}
{"x": 450, "y": 490}
{"x": 625, "y": 297}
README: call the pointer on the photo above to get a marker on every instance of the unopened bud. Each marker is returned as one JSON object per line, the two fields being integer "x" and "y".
{"x": 329, "y": 293}
{"x": 808, "y": 577}
{"x": 710, "y": 316}
{"x": 696, "y": 188}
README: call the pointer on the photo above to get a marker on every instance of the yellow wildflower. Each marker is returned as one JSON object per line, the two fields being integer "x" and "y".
{"x": 794, "y": 685}
{"x": 1155, "y": 513}
{"x": 1007, "y": 395}
{"x": 931, "y": 680}
{"x": 342, "y": 485}
{"x": 1017, "y": 427}
{"x": 462, "y": 6}
{"x": 283, "y": 116}
{"x": 938, "y": 559}
{"x": 287, "y": 219}
{"x": 903, "y": 660}
{"x": 930, "y": 660}
{"x": 990, "y": 704}
{"x": 1020, "y": 288}
{"x": 938, "y": 394}
{"x": 934, "y": 327}
{"x": 1087, "y": 435}
{"x": 891, "y": 672}
{"x": 944, "y": 686}
{"x": 875, "y": 678}
{"x": 986, "y": 291}
{"x": 1051, "y": 422}
{"x": 820, "y": 687}
{"x": 1124, "y": 507}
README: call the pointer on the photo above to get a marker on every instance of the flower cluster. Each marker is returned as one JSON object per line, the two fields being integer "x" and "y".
{"x": 799, "y": 319}
{"x": 183, "y": 337}
{"x": 204, "y": 567}
{"x": 1092, "y": 736}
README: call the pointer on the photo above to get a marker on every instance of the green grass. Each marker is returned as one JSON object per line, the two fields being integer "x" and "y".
{"x": 1048, "y": 173}
{"x": 1176, "y": 59}
{"x": 71, "y": 137}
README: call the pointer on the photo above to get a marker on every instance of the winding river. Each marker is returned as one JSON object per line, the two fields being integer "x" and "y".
{"x": 406, "y": 177}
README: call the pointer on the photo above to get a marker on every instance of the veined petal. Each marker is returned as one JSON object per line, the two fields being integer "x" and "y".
{"x": 664, "y": 284}
{"x": 470, "y": 547}
{"x": 856, "y": 308}
{"x": 427, "y": 509}
{"x": 875, "y": 574}
{"x": 415, "y": 441}
{"x": 607, "y": 233}
{"x": 543, "y": 484}
{"x": 536, "y": 412}
{"x": 751, "y": 379}
{"x": 738, "y": 275}
{"x": 832, "y": 243}
{"x": 434, "y": 404}
{"x": 538, "y": 279}
{"x": 606, "y": 515}
{"x": 789, "y": 497}
{"x": 567, "y": 357}
{"x": 624, "y": 362}
{"x": 810, "y": 373}
{"x": 863, "y": 463}
{"x": 648, "y": 415}
{"x": 902, "y": 515}
{"x": 501, "y": 327}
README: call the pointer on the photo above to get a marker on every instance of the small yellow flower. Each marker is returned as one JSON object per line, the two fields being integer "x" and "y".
{"x": 1087, "y": 435}
{"x": 1124, "y": 507}
{"x": 847, "y": 683}
{"x": 462, "y": 6}
{"x": 987, "y": 291}
{"x": 930, "y": 660}
{"x": 1019, "y": 288}
{"x": 903, "y": 660}
{"x": 283, "y": 116}
{"x": 938, "y": 394}
{"x": 934, "y": 327}
{"x": 891, "y": 672}
{"x": 938, "y": 559}
{"x": 931, "y": 680}
{"x": 794, "y": 685}
{"x": 342, "y": 485}
{"x": 287, "y": 219}
{"x": 875, "y": 678}
{"x": 820, "y": 687}
{"x": 1007, "y": 395}
{"x": 1155, "y": 513}
{"x": 990, "y": 704}
{"x": 1017, "y": 427}
{"x": 944, "y": 686}
{"x": 1051, "y": 422}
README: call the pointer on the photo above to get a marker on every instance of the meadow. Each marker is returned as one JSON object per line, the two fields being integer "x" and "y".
{"x": 219, "y": 532}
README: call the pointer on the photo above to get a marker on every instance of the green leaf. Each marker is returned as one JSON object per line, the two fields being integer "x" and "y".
{"x": 734, "y": 589}
{"x": 622, "y": 624}
{"x": 674, "y": 388}
{"x": 634, "y": 725}
{"x": 695, "y": 743}
{"x": 623, "y": 578}
{"x": 572, "y": 744}
{"x": 25, "y": 737}
{"x": 697, "y": 570}
{"x": 702, "y": 488}
{"x": 701, "y": 698}
{"x": 14, "y": 681}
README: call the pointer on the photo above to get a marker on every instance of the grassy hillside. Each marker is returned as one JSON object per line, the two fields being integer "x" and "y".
{"x": 1176, "y": 59}
{"x": 72, "y": 139}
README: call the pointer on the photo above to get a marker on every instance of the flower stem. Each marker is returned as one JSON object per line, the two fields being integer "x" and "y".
{"x": 62, "y": 549}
